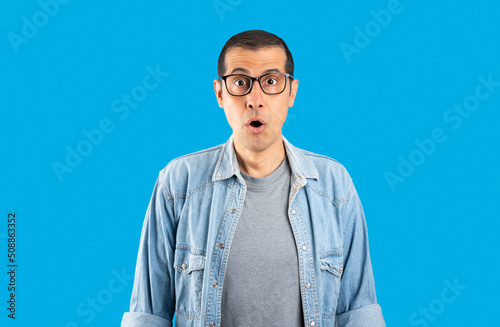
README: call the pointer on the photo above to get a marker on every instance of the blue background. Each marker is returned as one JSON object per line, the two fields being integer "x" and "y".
{"x": 439, "y": 223}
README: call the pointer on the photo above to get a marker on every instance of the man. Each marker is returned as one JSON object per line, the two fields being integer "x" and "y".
{"x": 254, "y": 232}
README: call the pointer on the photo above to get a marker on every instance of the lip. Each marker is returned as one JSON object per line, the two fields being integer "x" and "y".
{"x": 255, "y": 130}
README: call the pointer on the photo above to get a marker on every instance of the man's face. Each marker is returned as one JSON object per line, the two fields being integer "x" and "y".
{"x": 271, "y": 110}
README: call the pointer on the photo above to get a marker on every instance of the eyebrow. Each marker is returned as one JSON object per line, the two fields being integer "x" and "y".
{"x": 243, "y": 70}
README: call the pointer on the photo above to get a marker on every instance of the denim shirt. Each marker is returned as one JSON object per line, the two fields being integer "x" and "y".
{"x": 190, "y": 222}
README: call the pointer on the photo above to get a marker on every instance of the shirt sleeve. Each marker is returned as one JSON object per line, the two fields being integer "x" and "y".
{"x": 357, "y": 304}
{"x": 153, "y": 296}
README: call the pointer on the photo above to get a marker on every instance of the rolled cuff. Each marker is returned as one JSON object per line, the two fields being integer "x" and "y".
{"x": 141, "y": 319}
{"x": 369, "y": 316}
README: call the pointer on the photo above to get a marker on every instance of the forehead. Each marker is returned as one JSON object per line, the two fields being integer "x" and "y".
{"x": 255, "y": 61}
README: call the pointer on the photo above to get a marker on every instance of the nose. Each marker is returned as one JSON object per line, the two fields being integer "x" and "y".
{"x": 255, "y": 99}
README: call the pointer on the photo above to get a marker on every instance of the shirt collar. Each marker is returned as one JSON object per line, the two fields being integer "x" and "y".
{"x": 227, "y": 165}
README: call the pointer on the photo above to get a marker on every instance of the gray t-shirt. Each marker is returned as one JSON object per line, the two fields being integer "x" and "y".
{"x": 262, "y": 283}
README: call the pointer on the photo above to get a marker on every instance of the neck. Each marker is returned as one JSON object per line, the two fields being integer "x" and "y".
{"x": 263, "y": 163}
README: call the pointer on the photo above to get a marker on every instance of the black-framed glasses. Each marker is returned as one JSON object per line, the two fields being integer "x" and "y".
{"x": 240, "y": 85}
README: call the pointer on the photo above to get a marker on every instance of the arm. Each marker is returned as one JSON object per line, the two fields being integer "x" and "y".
{"x": 357, "y": 303}
{"x": 153, "y": 297}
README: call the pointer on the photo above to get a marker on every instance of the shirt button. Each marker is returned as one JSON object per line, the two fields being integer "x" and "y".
{"x": 293, "y": 212}
{"x": 234, "y": 210}
{"x": 312, "y": 323}
{"x": 221, "y": 245}
{"x": 216, "y": 284}
{"x": 304, "y": 247}
{"x": 308, "y": 285}
{"x": 184, "y": 266}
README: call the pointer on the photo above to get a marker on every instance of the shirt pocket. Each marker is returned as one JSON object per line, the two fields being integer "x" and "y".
{"x": 189, "y": 265}
{"x": 331, "y": 265}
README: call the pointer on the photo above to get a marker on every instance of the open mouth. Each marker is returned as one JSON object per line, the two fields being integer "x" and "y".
{"x": 256, "y": 123}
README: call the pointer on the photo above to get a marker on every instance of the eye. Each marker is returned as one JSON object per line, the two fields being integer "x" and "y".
{"x": 271, "y": 81}
{"x": 239, "y": 82}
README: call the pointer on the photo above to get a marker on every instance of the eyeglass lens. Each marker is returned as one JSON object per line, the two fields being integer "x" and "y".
{"x": 271, "y": 84}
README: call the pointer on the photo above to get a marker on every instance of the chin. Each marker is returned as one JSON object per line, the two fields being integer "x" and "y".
{"x": 257, "y": 144}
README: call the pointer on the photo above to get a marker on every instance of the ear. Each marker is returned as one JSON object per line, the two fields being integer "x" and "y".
{"x": 218, "y": 92}
{"x": 293, "y": 92}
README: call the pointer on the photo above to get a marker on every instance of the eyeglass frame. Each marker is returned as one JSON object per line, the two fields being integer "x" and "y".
{"x": 253, "y": 79}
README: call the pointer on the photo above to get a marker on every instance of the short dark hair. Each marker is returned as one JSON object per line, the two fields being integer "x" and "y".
{"x": 254, "y": 40}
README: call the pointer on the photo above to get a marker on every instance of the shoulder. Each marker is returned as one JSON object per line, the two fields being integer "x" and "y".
{"x": 333, "y": 177}
{"x": 191, "y": 170}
